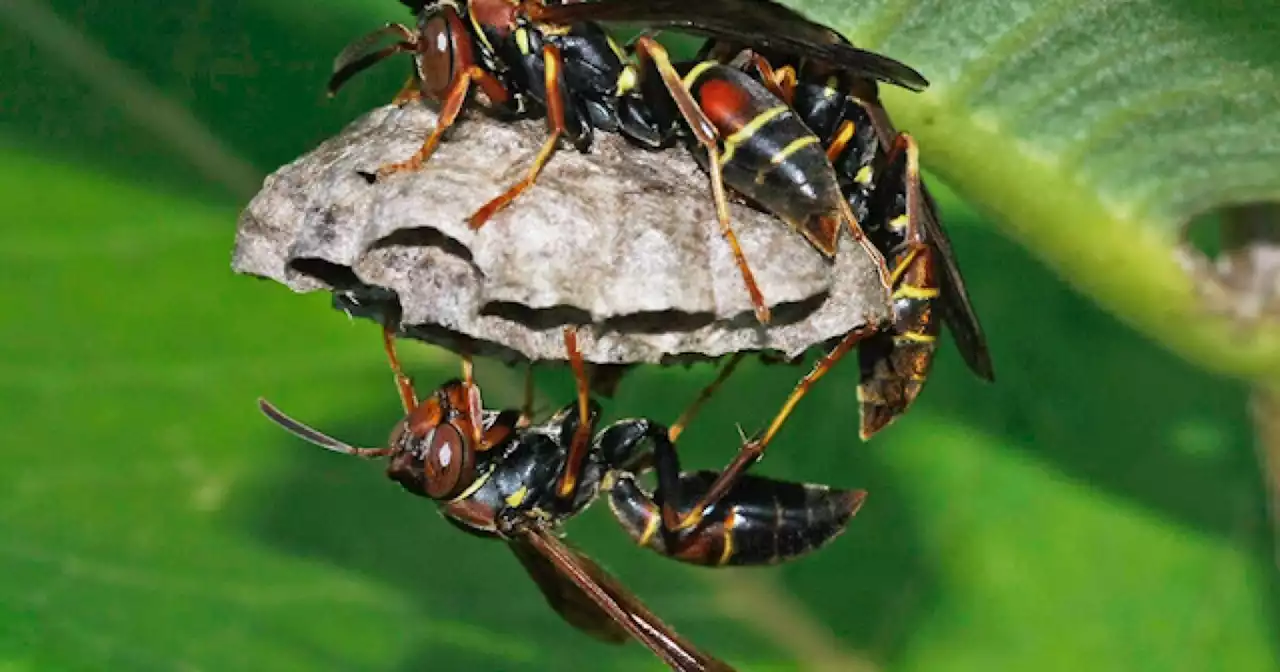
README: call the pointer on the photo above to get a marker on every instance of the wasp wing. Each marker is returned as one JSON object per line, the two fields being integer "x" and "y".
{"x": 566, "y": 598}
{"x": 957, "y": 309}
{"x": 584, "y": 594}
{"x": 754, "y": 23}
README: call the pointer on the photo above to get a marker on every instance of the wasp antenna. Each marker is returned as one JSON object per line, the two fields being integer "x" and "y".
{"x": 358, "y": 56}
{"x": 315, "y": 436}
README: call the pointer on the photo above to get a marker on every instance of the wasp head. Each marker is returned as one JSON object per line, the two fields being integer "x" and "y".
{"x": 432, "y": 450}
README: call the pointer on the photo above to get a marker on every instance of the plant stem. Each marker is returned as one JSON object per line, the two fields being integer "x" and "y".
{"x": 1266, "y": 418}
{"x": 758, "y": 602}
{"x": 1129, "y": 266}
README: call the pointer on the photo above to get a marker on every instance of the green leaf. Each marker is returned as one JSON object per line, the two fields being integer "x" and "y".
{"x": 1098, "y": 506}
{"x": 1101, "y": 507}
{"x": 1092, "y": 132}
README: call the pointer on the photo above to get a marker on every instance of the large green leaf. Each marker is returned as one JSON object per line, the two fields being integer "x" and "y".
{"x": 1099, "y": 506}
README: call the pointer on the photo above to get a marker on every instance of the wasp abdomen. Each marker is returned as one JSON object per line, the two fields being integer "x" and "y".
{"x": 760, "y": 521}
{"x": 896, "y": 363}
{"x": 768, "y": 154}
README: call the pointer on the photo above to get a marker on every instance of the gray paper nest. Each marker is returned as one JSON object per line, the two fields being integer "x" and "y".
{"x": 621, "y": 241}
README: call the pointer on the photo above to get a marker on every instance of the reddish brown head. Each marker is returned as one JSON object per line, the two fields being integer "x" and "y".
{"x": 433, "y": 450}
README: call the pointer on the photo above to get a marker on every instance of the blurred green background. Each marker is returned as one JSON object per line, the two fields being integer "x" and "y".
{"x": 1099, "y": 507}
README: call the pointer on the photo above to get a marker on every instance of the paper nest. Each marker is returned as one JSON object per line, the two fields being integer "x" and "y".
{"x": 619, "y": 241}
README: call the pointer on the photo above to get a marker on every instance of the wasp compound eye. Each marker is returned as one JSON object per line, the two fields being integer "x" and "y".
{"x": 436, "y": 53}
{"x": 449, "y": 463}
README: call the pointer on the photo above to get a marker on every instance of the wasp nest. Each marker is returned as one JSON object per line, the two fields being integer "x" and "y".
{"x": 621, "y": 241}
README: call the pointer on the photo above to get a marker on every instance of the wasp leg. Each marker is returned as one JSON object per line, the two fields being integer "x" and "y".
{"x": 915, "y": 193}
{"x": 526, "y": 408}
{"x": 500, "y": 430}
{"x": 841, "y": 140}
{"x": 705, "y": 132}
{"x": 409, "y": 93}
{"x": 657, "y": 526}
{"x": 844, "y": 134}
{"x": 552, "y": 64}
{"x": 582, "y": 434}
{"x": 623, "y": 445}
{"x": 453, "y": 101}
{"x": 913, "y": 234}
{"x": 820, "y": 369}
{"x": 780, "y": 82}
{"x": 752, "y": 450}
{"x": 901, "y": 268}
{"x": 408, "y": 397}
{"x": 868, "y": 97}
{"x": 475, "y": 406}
{"x": 687, "y": 416}
{"x": 860, "y": 237}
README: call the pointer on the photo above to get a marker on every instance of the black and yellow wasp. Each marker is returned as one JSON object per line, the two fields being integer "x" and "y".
{"x": 878, "y": 169}
{"x": 496, "y": 475}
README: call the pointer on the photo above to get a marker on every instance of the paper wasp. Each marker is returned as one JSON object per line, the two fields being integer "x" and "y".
{"x": 879, "y": 173}
{"x": 530, "y": 58}
{"x": 879, "y": 170}
{"x": 495, "y": 475}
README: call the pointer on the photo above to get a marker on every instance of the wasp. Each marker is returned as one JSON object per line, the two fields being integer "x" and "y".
{"x": 535, "y": 58}
{"x": 879, "y": 170}
{"x": 879, "y": 173}
{"x": 497, "y": 475}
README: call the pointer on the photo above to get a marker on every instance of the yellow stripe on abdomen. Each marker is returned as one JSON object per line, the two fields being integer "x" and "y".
{"x": 742, "y": 134}
{"x": 913, "y": 292}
